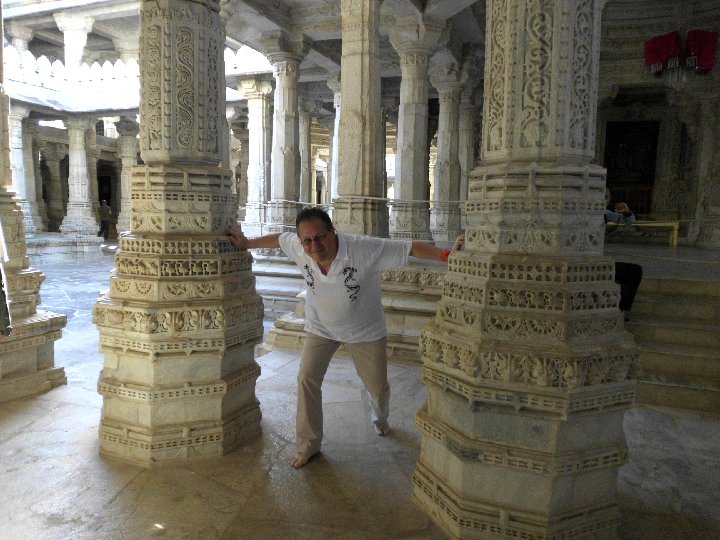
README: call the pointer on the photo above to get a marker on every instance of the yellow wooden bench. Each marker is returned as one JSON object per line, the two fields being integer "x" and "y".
{"x": 673, "y": 228}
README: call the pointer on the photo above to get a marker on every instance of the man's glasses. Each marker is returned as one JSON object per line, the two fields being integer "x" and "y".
{"x": 307, "y": 242}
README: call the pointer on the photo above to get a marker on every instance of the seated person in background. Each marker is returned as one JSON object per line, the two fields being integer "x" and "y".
{"x": 618, "y": 212}
{"x": 627, "y": 275}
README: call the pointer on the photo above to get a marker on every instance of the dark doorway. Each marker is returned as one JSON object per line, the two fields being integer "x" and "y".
{"x": 630, "y": 158}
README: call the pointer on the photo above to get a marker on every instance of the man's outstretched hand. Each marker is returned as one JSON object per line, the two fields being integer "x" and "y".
{"x": 237, "y": 238}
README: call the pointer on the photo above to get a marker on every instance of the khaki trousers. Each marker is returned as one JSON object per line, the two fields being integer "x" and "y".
{"x": 370, "y": 359}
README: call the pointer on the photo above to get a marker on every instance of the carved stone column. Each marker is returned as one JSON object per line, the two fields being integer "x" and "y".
{"x": 23, "y": 169}
{"x": 466, "y": 147}
{"x": 445, "y": 211}
{"x": 127, "y": 148}
{"x": 19, "y": 35}
{"x": 285, "y": 58}
{"x": 707, "y": 169}
{"x": 257, "y": 91}
{"x": 79, "y": 220}
{"x": 413, "y": 41}
{"x": 527, "y": 362}
{"x": 240, "y": 130}
{"x": 33, "y": 159}
{"x": 179, "y": 325}
{"x": 27, "y": 356}
{"x": 92, "y": 153}
{"x": 357, "y": 208}
{"x": 306, "y": 161}
{"x": 75, "y": 29}
{"x": 334, "y": 172}
{"x": 53, "y": 153}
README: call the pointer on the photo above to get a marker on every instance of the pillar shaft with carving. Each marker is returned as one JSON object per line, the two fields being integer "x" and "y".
{"x": 334, "y": 136}
{"x": 527, "y": 362}
{"x": 357, "y": 209}
{"x": 305, "y": 190}
{"x": 257, "y": 92}
{"x": 27, "y": 356}
{"x": 241, "y": 133}
{"x": 79, "y": 219}
{"x": 127, "y": 148}
{"x": 445, "y": 211}
{"x": 75, "y": 29}
{"x": 410, "y": 216}
{"x": 180, "y": 321}
{"x": 285, "y": 160}
{"x": 53, "y": 153}
{"x": 23, "y": 168}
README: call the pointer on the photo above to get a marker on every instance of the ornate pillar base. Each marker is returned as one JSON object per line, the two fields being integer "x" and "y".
{"x": 445, "y": 222}
{"x": 79, "y": 221}
{"x": 410, "y": 221}
{"x": 281, "y": 216}
{"x": 27, "y": 356}
{"x": 361, "y": 215}
{"x": 179, "y": 325}
{"x": 527, "y": 365}
{"x": 32, "y": 218}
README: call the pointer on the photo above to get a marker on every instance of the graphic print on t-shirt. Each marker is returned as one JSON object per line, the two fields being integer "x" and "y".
{"x": 351, "y": 283}
{"x": 309, "y": 278}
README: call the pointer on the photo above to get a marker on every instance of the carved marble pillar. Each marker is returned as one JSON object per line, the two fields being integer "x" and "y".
{"x": 445, "y": 211}
{"x": 414, "y": 41}
{"x": 34, "y": 160}
{"x": 19, "y": 35}
{"x": 357, "y": 209}
{"x": 334, "y": 175}
{"x": 466, "y": 148}
{"x": 257, "y": 91}
{"x": 304, "y": 145}
{"x": 53, "y": 153}
{"x": 127, "y": 149}
{"x": 75, "y": 29}
{"x": 285, "y": 162}
{"x": 527, "y": 362}
{"x": 181, "y": 319}
{"x": 240, "y": 130}
{"x": 79, "y": 220}
{"x": 707, "y": 168}
{"x": 330, "y": 123}
{"x": 23, "y": 169}
{"x": 27, "y": 356}
{"x": 92, "y": 153}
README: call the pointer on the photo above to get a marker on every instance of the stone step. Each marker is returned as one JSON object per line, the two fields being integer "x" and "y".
{"x": 684, "y": 288}
{"x": 676, "y": 396}
{"x": 696, "y": 367}
{"x": 652, "y": 331}
{"x": 682, "y": 308}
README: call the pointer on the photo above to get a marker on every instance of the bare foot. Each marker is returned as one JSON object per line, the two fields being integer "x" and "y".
{"x": 382, "y": 429}
{"x": 300, "y": 459}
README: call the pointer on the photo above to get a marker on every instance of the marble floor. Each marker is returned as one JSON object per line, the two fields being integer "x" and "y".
{"x": 54, "y": 485}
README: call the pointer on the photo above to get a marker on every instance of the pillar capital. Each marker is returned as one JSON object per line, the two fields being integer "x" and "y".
{"x": 280, "y": 47}
{"x": 18, "y": 111}
{"x": 127, "y": 127}
{"x": 69, "y": 22}
{"x": 78, "y": 123}
{"x": 410, "y": 35}
{"x": 255, "y": 87}
{"x": 19, "y": 35}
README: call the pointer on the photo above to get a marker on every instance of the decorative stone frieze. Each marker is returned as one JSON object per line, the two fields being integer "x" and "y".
{"x": 180, "y": 321}
{"x": 527, "y": 363}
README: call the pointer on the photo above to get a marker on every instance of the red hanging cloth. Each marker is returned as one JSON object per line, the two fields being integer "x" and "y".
{"x": 663, "y": 52}
{"x": 701, "y": 50}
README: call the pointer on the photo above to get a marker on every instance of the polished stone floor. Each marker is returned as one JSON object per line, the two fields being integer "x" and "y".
{"x": 54, "y": 485}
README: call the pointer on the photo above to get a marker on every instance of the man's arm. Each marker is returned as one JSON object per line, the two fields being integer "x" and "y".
{"x": 240, "y": 241}
{"x": 424, "y": 250}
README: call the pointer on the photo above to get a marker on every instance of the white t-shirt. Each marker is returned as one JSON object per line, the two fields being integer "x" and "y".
{"x": 346, "y": 304}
